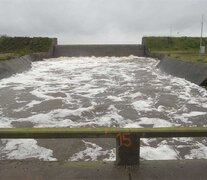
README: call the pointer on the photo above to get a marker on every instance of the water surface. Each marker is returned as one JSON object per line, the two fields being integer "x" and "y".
{"x": 100, "y": 92}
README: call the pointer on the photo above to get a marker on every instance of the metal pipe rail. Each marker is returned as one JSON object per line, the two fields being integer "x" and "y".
{"x": 128, "y": 139}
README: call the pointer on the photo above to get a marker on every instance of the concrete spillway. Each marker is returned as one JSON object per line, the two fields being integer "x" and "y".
{"x": 100, "y": 92}
{"x": 98, "y": 50}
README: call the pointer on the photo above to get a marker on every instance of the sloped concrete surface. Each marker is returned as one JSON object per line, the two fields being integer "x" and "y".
{"x": 192, "y": 71}
{"x": 16, "y": 65}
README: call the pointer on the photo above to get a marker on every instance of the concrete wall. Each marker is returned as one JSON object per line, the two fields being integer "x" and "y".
{"x": 98, "y": 50}
{"x": 45, "y": 55}
{"x": 16, "y": 65}
{"x": 51, "y": 51}
{"x": 192, "y": 71}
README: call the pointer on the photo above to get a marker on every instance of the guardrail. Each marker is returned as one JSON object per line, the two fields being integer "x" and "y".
{"x": 128, "y": 139}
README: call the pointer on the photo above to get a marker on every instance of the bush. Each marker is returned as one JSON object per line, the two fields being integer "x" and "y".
{"x": 24, "y": 45}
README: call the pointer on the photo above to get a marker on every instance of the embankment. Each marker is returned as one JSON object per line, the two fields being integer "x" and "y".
{"x": 19, "y": 64}
{"x": 171, "y": 51}
{"x": 192, "y": 71}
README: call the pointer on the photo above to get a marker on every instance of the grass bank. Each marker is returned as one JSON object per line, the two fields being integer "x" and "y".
{"x": 11, "y": 47}
{"x": 186, "y": 48}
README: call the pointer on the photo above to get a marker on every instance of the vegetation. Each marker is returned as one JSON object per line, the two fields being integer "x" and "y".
{"x": 11, "y": 47}
{"x": 186, "y": 48}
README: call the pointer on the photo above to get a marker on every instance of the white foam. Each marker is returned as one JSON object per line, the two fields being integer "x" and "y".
{"x": 185, "y": 117}
{"x": 133, "y": 125}
{"x": 155, "y": 122}
{"x": 111, "y": 119}
{"x": 40, "y": 94}
{"x": 115, "y": 98}
{"x": 184, "y": 140}
{"x": 112, "y": 155}
{"x": 5, "y": 122}
{"x": 113, "y": 82}
{"x": 200, "y": 152}
{"x": 143, "y": 105}
{"x": 193, "y": 114}
{"x": 61, "y": 113}
{"x": 27, "y": 106}
{"x": 163, "y": 152}
{"x": 92, "y": 153}
{"x": 136, "y": 95}
{"x": 25, "y": 149}
{"x": 47, "y": 120}
{"x": 18, "y": 88}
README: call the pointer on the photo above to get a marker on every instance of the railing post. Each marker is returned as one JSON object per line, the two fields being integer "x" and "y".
{"x": 127, "y": 149}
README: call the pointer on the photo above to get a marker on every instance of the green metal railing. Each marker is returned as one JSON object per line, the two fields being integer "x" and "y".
{"x": 128, "y": 139}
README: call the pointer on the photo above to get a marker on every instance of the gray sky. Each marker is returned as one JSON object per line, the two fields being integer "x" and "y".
{"x": 101, "y": 21}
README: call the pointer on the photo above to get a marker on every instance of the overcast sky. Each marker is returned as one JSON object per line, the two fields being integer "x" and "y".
{"x": 101, "y": 21}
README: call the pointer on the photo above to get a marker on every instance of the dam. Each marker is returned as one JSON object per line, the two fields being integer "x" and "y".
{"x": 99, "y": 50}
{"x": 121, "y": 89}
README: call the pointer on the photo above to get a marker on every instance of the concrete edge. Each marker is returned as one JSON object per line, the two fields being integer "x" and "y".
{"x": 99, "y": 50}
{"x": 156, "y": 169}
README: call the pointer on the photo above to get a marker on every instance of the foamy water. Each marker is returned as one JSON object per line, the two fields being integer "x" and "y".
{"x": 101, "y": 92}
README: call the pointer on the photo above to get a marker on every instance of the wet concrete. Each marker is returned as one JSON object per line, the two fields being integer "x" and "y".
{"x": 170, "y": 170}
{"x": 192, "y": 71}
{"x": 148, "y": 170}
{"x": 15, "y": 65}
{"x": 98, "y": 50}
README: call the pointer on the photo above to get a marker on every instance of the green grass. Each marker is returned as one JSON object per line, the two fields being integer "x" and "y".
{"x": 11, "y": 47}
{"x": 185, "y": 55}
{"x": 5, "y": 56}
{"x": 186, "y": 48}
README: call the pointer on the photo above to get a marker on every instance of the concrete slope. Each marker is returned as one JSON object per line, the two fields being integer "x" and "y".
{"x": 16, "y": 65}
{"x": 192, "y": 71}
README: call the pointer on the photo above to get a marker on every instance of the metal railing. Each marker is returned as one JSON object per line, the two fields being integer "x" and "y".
{"x": 127, "y": 139}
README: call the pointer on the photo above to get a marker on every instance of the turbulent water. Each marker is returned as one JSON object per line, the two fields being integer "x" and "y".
{"x": 100, "y": 92}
